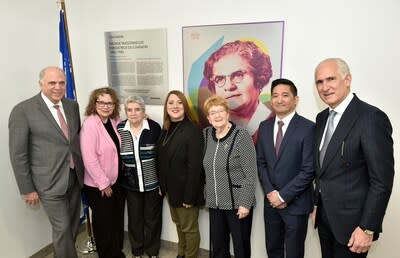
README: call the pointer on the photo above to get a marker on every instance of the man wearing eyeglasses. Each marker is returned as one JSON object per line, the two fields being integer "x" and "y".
{"x": 46, "y": 158}
{"x": 238, "y": 71}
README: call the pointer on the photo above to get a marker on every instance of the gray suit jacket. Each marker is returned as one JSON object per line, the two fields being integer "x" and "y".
{"x": 39, "y": 151}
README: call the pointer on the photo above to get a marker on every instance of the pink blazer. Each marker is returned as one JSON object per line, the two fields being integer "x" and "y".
{"x": 100, "y": 156}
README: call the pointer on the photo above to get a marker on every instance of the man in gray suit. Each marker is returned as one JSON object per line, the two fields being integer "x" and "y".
{"x": 46, "y": 158}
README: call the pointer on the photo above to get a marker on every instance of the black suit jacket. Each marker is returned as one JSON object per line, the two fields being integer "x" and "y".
{"x": 291, "y": 171}
{"x": 180, "y": 165}
{"x": 356, "y": 178}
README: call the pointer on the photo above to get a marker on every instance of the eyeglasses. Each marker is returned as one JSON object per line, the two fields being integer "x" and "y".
{"x": 235, "y": 77}
{"x": 105, "y": 104}
{"x": 216, "y": 112}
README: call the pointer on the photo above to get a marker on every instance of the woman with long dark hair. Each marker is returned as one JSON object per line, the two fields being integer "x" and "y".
{"x": 179, "y": 155}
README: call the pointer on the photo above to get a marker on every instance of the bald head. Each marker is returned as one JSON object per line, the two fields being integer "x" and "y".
{"x": 49, "y": 68}
{"x": 52, "y": 83}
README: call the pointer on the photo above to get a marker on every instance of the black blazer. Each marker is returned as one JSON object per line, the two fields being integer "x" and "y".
{"x": 291, "y": 172}
{"x": 180, "y": 165}
{"x": 356, "y": 179}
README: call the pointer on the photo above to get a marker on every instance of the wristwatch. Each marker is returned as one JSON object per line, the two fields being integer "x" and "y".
{"x": 368, "y": 232}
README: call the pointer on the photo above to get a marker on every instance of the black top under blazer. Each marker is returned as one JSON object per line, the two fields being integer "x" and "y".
{"x": 180, "y": 165}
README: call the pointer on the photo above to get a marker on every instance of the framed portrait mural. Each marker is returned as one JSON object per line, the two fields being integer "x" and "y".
{"x": 237, "y": 62}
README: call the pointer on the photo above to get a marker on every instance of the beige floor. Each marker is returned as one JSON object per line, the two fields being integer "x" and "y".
{"x": 168, "y": 249}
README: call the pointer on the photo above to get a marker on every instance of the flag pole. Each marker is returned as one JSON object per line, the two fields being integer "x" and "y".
{"x": 90, "y": 245}
{"x": 64, "y": 12}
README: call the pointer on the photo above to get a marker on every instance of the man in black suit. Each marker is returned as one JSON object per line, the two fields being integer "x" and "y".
{"x": 285, "y": 166}
{"x": 354, "y": 161}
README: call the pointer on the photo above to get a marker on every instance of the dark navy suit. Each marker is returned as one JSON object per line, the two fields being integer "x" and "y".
{"x": 354, "y": 184}
{"x": 290, "y": 173}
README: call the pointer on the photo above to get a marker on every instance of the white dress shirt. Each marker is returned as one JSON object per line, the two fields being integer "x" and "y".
{"x": 53, "y": 110}
{"x": 339, "y": 112}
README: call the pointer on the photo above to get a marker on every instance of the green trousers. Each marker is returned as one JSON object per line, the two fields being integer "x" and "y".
{"x": 187, "y": 227}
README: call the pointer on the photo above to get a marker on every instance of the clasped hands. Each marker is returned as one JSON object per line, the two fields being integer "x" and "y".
{"x": 107, "y": 191}
{"x": 275, "y": 201}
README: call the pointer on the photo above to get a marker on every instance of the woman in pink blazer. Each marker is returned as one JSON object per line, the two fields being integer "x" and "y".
{"x": 100, "y": 146}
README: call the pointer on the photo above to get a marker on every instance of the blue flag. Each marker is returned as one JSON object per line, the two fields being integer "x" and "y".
{"x": 66, "y": 61}
{"x": 70, "y": 91}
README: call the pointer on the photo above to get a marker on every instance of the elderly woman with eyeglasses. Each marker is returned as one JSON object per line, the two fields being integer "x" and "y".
{"x": 230, "y": 167}
{"x": 100, "y": 146}
{"x": 139, "y": 136}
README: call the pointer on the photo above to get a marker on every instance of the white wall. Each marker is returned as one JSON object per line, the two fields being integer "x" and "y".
{"x": 364, "y": 33}
{"x": 28, "y": 42}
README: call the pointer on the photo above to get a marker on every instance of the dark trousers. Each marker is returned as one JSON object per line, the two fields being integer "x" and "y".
{"x": 144, "y": 221}
{"x": 108, "y": 221}
{"x": 63, "y": 212}
{"x": 224, "y": 223}
{"x": 330, "y": 248}
{"x": 284, "y": 233}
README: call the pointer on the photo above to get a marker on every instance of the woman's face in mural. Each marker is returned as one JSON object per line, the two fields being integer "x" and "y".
{"x": 234, "y": 81}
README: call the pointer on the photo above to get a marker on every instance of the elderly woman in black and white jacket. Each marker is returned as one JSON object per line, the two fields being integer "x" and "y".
{"x": 230, "y": 167}
{"x": 140, "y": 178}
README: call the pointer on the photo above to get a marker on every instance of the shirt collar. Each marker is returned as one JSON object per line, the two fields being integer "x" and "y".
{"x": 286, "y": 120}
{"x": 145, "y": 125}
{"x": 342, "y": 106}
{"x": 48, "y": 102}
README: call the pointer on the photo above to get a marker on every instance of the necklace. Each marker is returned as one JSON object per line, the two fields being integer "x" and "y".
{"x": 223, "y": 132}
{"x": 168, "y": 137}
